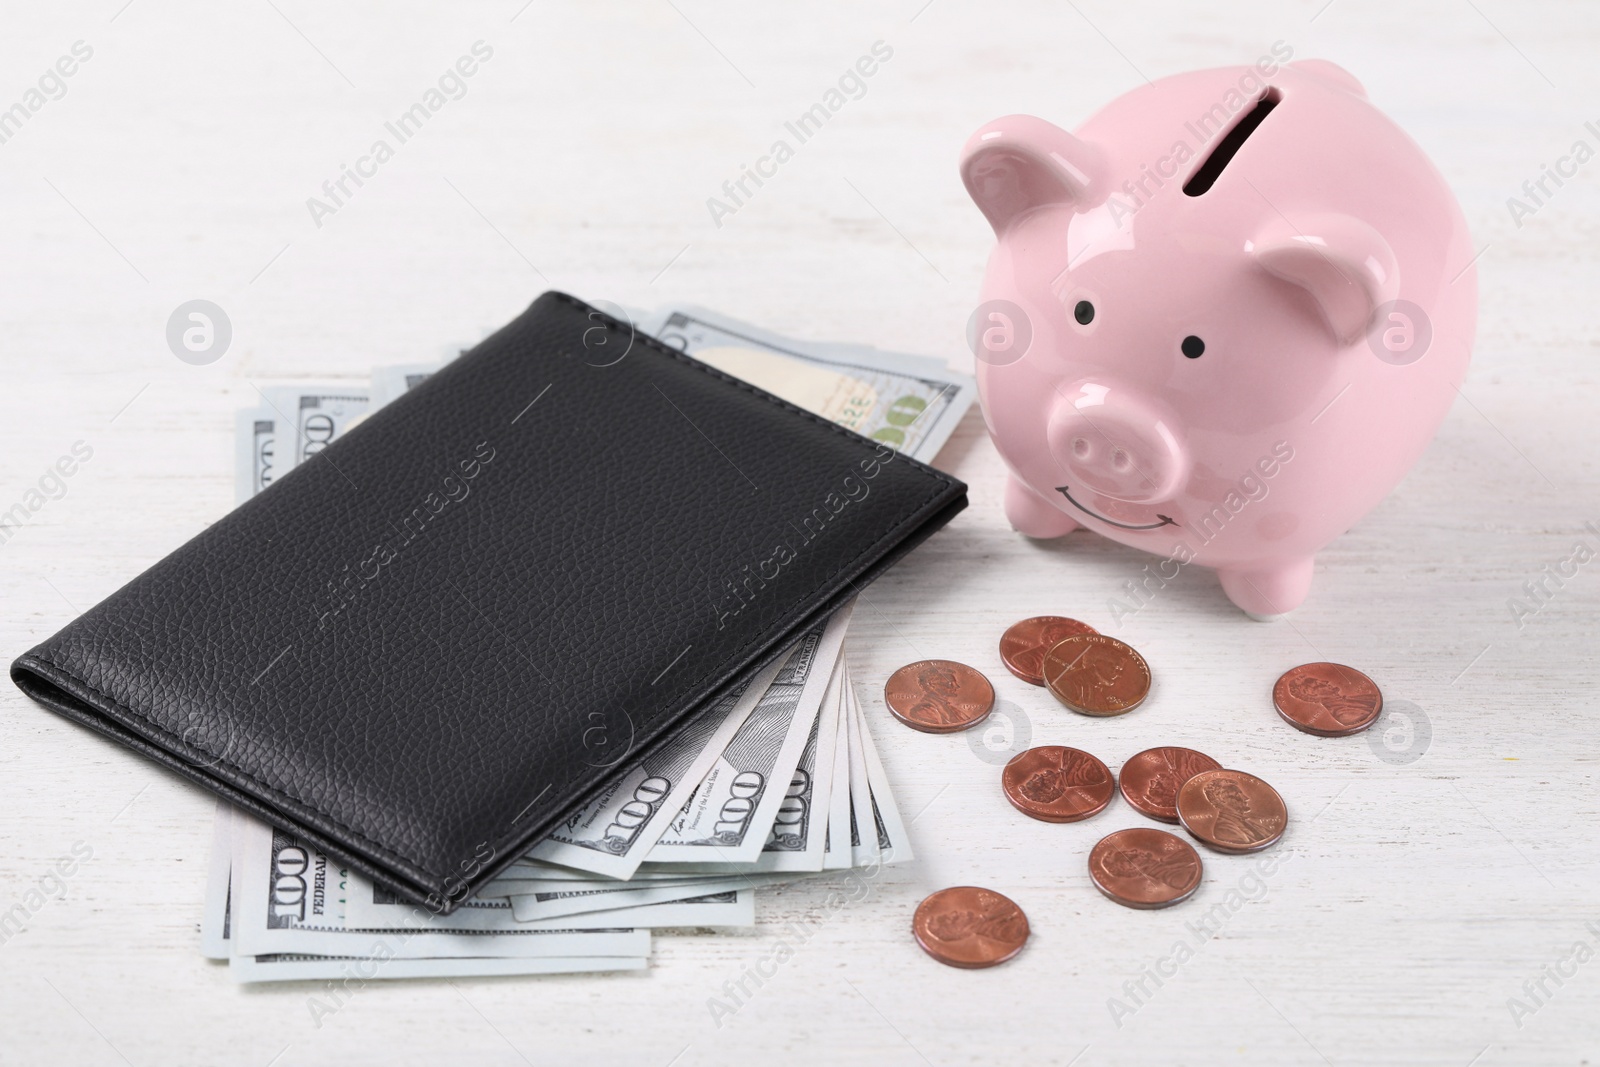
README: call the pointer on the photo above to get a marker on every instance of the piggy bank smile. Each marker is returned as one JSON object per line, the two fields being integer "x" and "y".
{"x": 1161, "y": 520}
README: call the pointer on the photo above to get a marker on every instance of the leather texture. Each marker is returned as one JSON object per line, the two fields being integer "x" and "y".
{"x": 427, "y": 645}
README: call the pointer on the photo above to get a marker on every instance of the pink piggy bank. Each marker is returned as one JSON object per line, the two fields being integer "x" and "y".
{"x": 1221, "y": 320}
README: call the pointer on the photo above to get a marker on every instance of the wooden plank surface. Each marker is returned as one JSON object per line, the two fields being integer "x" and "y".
{"x": 1413, "y": 898}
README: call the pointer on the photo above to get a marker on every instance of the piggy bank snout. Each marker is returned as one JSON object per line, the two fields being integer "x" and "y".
{"x": 1117, "y": 442}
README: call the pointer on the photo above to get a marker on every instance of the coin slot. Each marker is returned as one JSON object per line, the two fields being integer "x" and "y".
{"x": 1231, "y": 142}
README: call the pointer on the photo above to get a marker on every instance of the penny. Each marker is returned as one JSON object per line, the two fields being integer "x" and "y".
{"x": 1023, "y": 645}
{"x": 1096, "y": 675}
{"x": 938, "y": 696}
{"x": 1232, "y": 811}
{"x": 1057, "y": 784}
{"x": 965, "y": 926}
{"x": 1327, "y": 699}
{"x": 1150, "y": 780}
{"x": 1145, "y": 868}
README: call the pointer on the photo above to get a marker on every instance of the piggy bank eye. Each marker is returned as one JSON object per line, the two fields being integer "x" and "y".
{"x": 1083, "y": 312}
{"x": 1193, "y": 347}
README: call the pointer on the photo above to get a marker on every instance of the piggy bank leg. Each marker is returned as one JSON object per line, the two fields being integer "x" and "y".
{"x": 1268, "y": 593}
{"x": 1033, "y": 515}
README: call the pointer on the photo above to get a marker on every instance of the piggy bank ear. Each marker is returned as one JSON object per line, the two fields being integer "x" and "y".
{"x": 1018, "y": 163}
{"x": 1346, "y": 266}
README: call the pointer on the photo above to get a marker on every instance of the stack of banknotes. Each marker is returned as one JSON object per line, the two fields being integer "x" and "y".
{"x": 778, "y": 781}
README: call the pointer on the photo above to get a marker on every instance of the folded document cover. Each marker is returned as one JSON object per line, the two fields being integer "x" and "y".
{"x": 426, "y": 646}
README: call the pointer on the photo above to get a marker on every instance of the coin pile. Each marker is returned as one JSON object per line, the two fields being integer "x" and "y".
{"x": 1090, "y": 673}
{"x": 1225, "y": 810}
{"x": 1022, "y": 647}
{"x": 1228, "y": 811}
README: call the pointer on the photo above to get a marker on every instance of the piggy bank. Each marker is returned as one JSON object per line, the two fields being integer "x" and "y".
{"x": 1221, "y": 320}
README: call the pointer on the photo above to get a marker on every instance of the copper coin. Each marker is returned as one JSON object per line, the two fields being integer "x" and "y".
{"x": 1145, "y": 868}
{"x": 1096, "y": 675}
{"x": 1057, "y": 784}
{"x": 1023, "y": 645}
{"x": 965, "y": 926}
{"x": 1150, "y": 780}
{"x": 1327, "y": 699}
{"x": 1232, "y": 811}
{"x": 938, "y": 696}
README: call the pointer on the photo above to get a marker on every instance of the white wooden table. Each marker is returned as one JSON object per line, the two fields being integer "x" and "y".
{"x": 1415, "y": 897}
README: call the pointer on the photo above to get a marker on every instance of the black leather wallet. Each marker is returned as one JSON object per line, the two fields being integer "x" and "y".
{"x": 427, "y": 645}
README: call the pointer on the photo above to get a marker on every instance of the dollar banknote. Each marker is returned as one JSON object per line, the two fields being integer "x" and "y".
{"x": 727, "y": 818}
{"x": 892, "y": 840}
{"x": 611, "y": 897}
{"x": 614, "y": 832}
{"x": 911, "y": 403}
{"x": 312, "y": 416}
{"x": 729, "y": 908}
{"x": 380, "y": 962}
{"x": 376, "y": 912}
{"x": 255, "y": 452}
{"x": 863, "y": 844}
{"x": 370, "y": 906}
{"x": 799, "y": 832}
{"x": 837, "y": 853}
{"x": 289, "y": 897}
{"x": 523, "y": 870}
{"x": 214, "y": 919}
{"x": 511, "y": 887}
{"x": 799, "y": 839}
{"x": 708, "y": 900}
{"x": 357, "y": 970}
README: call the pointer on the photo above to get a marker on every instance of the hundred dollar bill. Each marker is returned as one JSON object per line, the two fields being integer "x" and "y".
{"x": 911, "y": 403}
{"x": 358, "y": 970}
{"x": 621, "y": 900}
{"x": 311, "y": 417}
{"x": 863, "y": 843}
{"x": 255, "y": 452}
{"x": 837, "y": 854}
{"x": 725, "y": 907}
{"x": 214, "y": 919}
{"x": 520, "y": 887}
{"x": 615, "y": 831}
{"x": 523, "y": 869}
{"x": 727, "y": 818}
{"x": 800, "y": 831}
{"x": 288, "y": 897}
{"x": 382, "y": 964}
{"x": 893, "y": 841}
{"x": 371, "y": 906}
